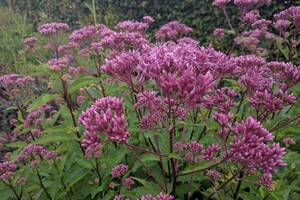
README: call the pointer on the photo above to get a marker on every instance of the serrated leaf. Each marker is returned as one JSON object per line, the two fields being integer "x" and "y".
{"x": 5, "y": 194}
{"x": 82, "y": 82}
{"x": 83, "y": 161}
{"x": 145, "y": 158}
{"x": 17, "y": 144}
{"x": 109, "y": 195}
{"x": 75, "y": 176}
{"x": 193, "y": 168}
{"x": 42, "y": 100}
{"x": 55, "y": 137}
{"x": 174, "y": 155}
{"x": 149, "y": 188}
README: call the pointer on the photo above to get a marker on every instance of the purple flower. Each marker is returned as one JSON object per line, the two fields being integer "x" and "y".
{"x": 221, "y": 3}
{"x": 219, "y": 99}
{"x": 288, "y": 141}
{"x": 106, "y": 116}
{"x": 149, "y": 20}
{"x": 219, "y": 33}
{"x": 92, "y": 143}
{"x": 210, "y": 151}
{"x": 50, "y": 28}
{"x": 119, "y": 170}
{"x": 251, "y": 17}
{"x": 7, "y": 170}
{"x": 30, "y": 42}
{"x": 161, "y": 196}
{"x": 249, "y": 146}
{"x": 194, "y": 147}
{"x": 132, "y": 26}
{"x": 128, "y": 182}
{"x": 172, "y": 30}
{"x": 245, "y": 5}
{"x": 214, "y": 175}
{"x": 266, "y": 181}
{"x": 123, "y": 66}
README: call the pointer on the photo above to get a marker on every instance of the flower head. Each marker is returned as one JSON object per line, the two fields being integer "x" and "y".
{"x": 50, "y": 28}
{"x": 106, "y": 116}
{"x": 7, "y": 170}
{"x": 119, "y": 170}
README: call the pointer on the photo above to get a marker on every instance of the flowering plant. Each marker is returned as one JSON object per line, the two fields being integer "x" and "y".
{"x": 126, "y": 118}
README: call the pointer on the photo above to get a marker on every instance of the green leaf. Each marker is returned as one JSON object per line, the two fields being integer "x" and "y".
{"x": 17, "y": 144}
{"x": 110, "y": 195}
{"x": 193, "y": 168}
{"x": 149, "y": 188}
{"x": 42, "y": 100}
{"x": 20, "y": 117}
{"x": 82, "y": 82}
{"x": 83, "y": 161}
{"x": 145, "y": 158}
{"x": 96, "y": 189}
{"x": 55, "y": 137}
{"x": 75, "y": 176}
{"x": 54, "y": 187}
{"x": 175, "y": 155}
{"x": 5, "y": 194}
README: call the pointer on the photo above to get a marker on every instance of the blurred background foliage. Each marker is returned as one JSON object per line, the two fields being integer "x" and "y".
{"x": 19, "y": 19}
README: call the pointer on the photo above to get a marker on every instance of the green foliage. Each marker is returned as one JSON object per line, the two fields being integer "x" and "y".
{"x": 13, "y": 29}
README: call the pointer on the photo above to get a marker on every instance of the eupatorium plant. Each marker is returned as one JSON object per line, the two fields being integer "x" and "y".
{"x": 128, "y": 118}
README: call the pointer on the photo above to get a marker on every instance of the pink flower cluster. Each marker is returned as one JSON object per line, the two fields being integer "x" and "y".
{"x": 222, "y": 99}
{"x": 16, "y": 87}
{"x": 290, "y": 13}
{"x": 270, "y": 101}
{"x": 250, "y": 147}
{"x": 123, "y": 66}
{"x": 198, "y": 152}
{"x": 119, "y": 170}
{"x": 13, "y": 81}
{"x": 132, "y": 26}
{"x": 286, "y": 73}
{"x": 33, "y": 152}
{"x": 172, "y": 30}
{"x": 154, "y": 105}
{"x": 161, "y": 196}
{"x": 214, "y": 175}
{"x": 30, "y": 43}
{"x": 60, "y": 63}
{"x": 219, "y": 33}
{"x": 194, "y": 147}
{"x": 93, "y": 145}
{"x": 221, "y": 3}
{"x": 245, "y": 5}
{"x": 7, "y": 170}
{"x": 34, "y": 118}
{"x": 106, "y": 116}
{"x": 51, "y": 28}
{"x": 176, "y": 69}
{"x": 128, "y": 182}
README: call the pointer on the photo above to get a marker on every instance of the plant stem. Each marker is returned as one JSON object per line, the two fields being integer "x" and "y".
{"x": 94, "y": 12}
{"x": 174, "y": 177}
{"x": 225, "y": 183}
{"x": 12, "y": 188}
{"x": 205, "y": 168}
{"x": 228, "y": 21}
{"x": 144, "y": 150}
{"x": 238, "y": 186}
{"x": 278, "y": 127}
{"x": 42, "y": 185}
{"x": 146, "y": 168}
